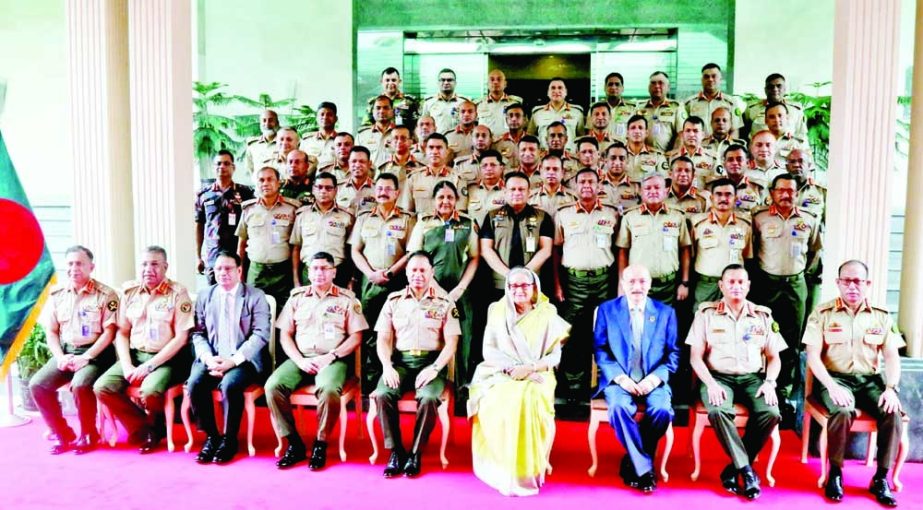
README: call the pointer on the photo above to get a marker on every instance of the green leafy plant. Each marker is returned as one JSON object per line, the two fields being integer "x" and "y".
{"x": 35, "y": 353}
{"x": 213, "y": 131}
{"x": 817, "y": 117}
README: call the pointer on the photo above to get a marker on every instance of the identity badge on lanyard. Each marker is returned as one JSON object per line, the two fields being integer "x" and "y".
{"x": 530, "y": 243}
{"x": 276, "y": 236}
{"x": 232, "y": 219}
{"x": 392, "y": 243}
{"x": 329, "y": 331}
{"x": 449, "y": 233}
{"x": 84, "y": 325}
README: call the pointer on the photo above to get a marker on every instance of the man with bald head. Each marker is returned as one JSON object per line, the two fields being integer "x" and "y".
{"x": 636, "y": 351}
{"x": 492, "y": 107}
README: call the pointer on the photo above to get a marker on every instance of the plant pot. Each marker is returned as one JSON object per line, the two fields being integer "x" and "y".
{"x": 25, "y": 395}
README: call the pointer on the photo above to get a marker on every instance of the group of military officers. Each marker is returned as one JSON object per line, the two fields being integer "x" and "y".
{"x": 327, "y": 233}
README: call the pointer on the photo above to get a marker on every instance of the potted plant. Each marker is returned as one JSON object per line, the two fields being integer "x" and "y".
{"x": 35, "y": 353}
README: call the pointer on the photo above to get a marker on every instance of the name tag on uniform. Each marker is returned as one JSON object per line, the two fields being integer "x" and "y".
{"x": 602, "y": 241}
{"x": 797, "y": 249}
{"x": 329, "y": 331}
{"x": 232, "y": 219}
{"x": 530, "y": 244}
{"x": 153, "y": 334}
{"x": 392, "y": 244}
{"x": 449, "y": 235}
{"x": 670, "y": 243}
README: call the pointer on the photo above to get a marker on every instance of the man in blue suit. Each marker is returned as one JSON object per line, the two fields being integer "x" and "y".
{"x": 230, "y": 336}
{"x": 636, "y": 351}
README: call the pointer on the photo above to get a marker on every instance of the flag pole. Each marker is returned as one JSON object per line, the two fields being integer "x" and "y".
{"x": 9, "y": 418}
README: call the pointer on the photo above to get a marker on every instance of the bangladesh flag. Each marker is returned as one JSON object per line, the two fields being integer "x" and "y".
{"x": 26, "y": 269}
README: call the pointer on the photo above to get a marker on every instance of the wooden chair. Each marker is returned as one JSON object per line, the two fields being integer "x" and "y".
{"x": 408, "y": 404}
{"x": 698, "y": 417}
{"x": 134, "y": 392}
{"x": 253, "y": 392}
{"x": 599, "y": 413}
{"x": 352, "y": 392}
{"x": 814, "y": 409}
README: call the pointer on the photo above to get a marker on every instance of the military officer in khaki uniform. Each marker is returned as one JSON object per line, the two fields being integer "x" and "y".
{"x": 321, "y": 227}
{"x": 320, "y": 327}
{"x": 418, "y": 332}
{"x": 587, "y": 153}
{"x": 379, "y": 252}
{"x": 664, "y": 116}
{"x": 657, "y": 237}
{"x": 786, "y": 241}
{"x": 599, "y": 122}
{"x": 719, "y": 237}
{"x": 763, "y": 165}
{"x": 705, "y": 163}
{"x": 786, "y": 142}
{"x": 374, "y": 137}
{"x": 710, "y": 98}
{"x": 530, "y": 154}
{"x": 845, "y": 340}
{"x": 731, "y": 342}
{"x": 507, "y": 142}
{"x": 812, "y": 197}
{"x": 154, "y": 320}
{"x": 620, "y": 110}
{"x": 468, "y": 167}
{"x": 492, "y": 107}
{"x": 583, "y": 266}
{"x": 720, "y": 138}
{"x": 444, "y": 106}
{"x": 459, "y": 137}
{"x": 260, "y": 148}
{"x": 297, "y": 185}
{"x": 755, "y": 115}
{"x": 80, "y": 321}
{"x": 682, "y": 194}
{"x": 264, "y": 231}
{"x": 417, "y": 196}
{"x": 750, "y": 195}
{"x": 406, "y": 107}
{"x": 487, "y": 192}
{"x": 425, "y": 127}
{"x": 286, "y": 142}
{"x": 319, "y": 144}
{"x": 401, "y": 161}
{"x": 643, "y": 160}
{"x": 552, "y": 195}
{"x": 557, "y": 109}
{"x": 616, "y": 188}
{"x": 557, "y": 142}
{"x": 358, "y": 192}
{"x": 339, "y": 167}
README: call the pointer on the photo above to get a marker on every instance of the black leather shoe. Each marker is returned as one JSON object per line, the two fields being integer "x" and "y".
{"x": 150, "y": 443}
{"x": 395, "y": 464}
{"x": 646, "y": 483}
{"x": 882, "y": 492}
{"x": 226, "y": 451}
{"x": 293, "y": 455}
{"x": 318, "y": 455}
{"x": 414, "y": 465}
{"x": 61, "y": 446}
{"x": 751, "y": 482}
{"x": 729, "y": 479}
{"x": 86, "y": 444}
{"x": 627, "y": 472}
{"x": 834, "y": 488}
{"x": 207, "y": 454}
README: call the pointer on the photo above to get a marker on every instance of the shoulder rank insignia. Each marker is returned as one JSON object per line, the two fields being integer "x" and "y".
{"x": 775, "y": 327}
{"x": 185, "y": 307}
{"x": 455, "y": 314}
{"x": 112, "y": 305}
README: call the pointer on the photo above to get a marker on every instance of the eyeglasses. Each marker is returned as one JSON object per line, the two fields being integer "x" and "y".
{"x": 324, "y": 187}
{"x": 846, "y": 282}
{"x": 520, "y": 286}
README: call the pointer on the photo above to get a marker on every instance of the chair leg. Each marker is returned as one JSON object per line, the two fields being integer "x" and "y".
{"x": 667, "y": 448}
{"x": 443, "y": 410}
{"x": 697, "y": 431}
{"x": 776, "y": 439}
{"x": 278, "y": 451}
{"x": 184, "y": 410}
{"x": 370, "y": 427}
{"x": 169, "y": 411}
{"x": 822, "y": 448}
{"x": 805, "y": 436}
{"x": 360, "y": 420}
{"x": 591, "y": 442}
{"x": 873, "y": 446}
{"x": 113, "y": 429}
{"x": 344, "y": 419}
{"x": 903, "y": 450}
{"x": 250, "y": 408}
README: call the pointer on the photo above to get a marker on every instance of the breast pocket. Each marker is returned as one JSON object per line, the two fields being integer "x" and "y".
{"x": 708, "y": 242}
{"x": 836, "y": 337}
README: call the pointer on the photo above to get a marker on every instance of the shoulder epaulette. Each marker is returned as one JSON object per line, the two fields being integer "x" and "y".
{"x": 58, "y": 287}
{"x": 427, "y": 98}
{"x": 248, "y": 203}
{"x": 609, "y": 206}
{"x": 576, "y": 106}
{"x": 463, "y": 159}
{"x": 829, "y": 305}
{"x": 395, "y": 295}
{"x": 632, "y": 209}
{"x": 252, "y": 140}
{"x": 292, "y": 202}
{"x": 758, "y": 210}
{"x": 515, "y": 99}
{"x": 807, "y": 213}
{"x": 743, "y": 217}
{"x": 363, "y": 129}
{"x": 302, "y": 209}
{"x": 708, "y": 304}
{"x": 539, "y": 107}
{"x": 177, "y": 287}
{"x": 299, "y": 290}
{"x": 762, "y": 309}
{"x": 105, "y": 289}
{"x": 698, "y": 217}
{"x": 364, "y": 212}
{"x": 345, "y": 292}
{"x": 130, "y": 284}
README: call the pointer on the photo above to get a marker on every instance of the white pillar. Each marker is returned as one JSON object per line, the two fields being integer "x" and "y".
{"x": 97, "y": 36}
{"x": 160, "y": 56}
{"x": 865, "y": 69}
{"x": 911, "y": 320}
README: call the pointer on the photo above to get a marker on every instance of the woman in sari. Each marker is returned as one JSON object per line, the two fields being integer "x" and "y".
{"x": 512, "y": 394}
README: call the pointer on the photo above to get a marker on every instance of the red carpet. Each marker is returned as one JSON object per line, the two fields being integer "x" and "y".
{"x": 122, "y": 479}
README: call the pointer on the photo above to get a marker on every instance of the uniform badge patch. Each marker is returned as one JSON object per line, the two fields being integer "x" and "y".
{"x": 775, "y": 327}
{"x": 185, "y": 307}
{"x": 112, "y": 305}
{"x": 455, "y": 313}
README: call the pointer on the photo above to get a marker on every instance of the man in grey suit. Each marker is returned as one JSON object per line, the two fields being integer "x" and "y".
{"x": 230, "y": 336}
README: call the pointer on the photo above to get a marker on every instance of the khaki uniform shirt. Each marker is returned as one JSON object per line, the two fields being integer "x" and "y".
{"x": 750, "y": 196}
{"x": 654, "y": 239}
{"x": 535, "y": 178}
{"x": 551, "y": 202}
{"x": 259, "y": 149}
{"x": 785, "y": 144}
{"x": 317, "y": 231}
{"x": 702, "y": 107}
{"x": 604, "y": 139}
{"x": 587, "y": 237}
{"x": 542, "y": 116}
{"x": 356, "y": 197}
{"x": 783, "y": 245}
{"x": 691, "y": 202}
{"x": 851, "y": 344}
{"x": 717, "y": 245}
{"x": 80, "y": 316}
{"x": 491, "y": 114}
{"x": 319, "y": 146}
{"x": 155, "y": 316}
{"x": 340, "y": 172}
{"x": 663, "y": 123}
{"x": 508, "y": 147}
{"x": 382, "y": 239}
{"x": 483, "y": 198}
{"x": 405, "y": 106}
{"x": 621, "y": 194}
{"x": 419, "y": 325}
{"x": 735, "y": 346}
{"x": 468, "y": 168}
{"x": 443, "y": 111}
{"x": 620, "y": 113}
{"x": 705, "y": 165}
{"x": 646, "y": 162}
{"x": 812, "y": 197}
{"x": 417, "y": 195}
{"x": 755, "y": 117}
{"x": 392, "y": 166}
{"x": 373, "y": 138}
{"x": 718, "y": 146}
{"x": 268, "y": 229}
{"x": 764, "y": 176}
{"x": 320, "y": 323}
{"x": 460, "y": 143}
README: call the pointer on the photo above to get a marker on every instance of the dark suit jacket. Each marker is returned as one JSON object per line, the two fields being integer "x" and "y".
{"x": 613, "y": 347}
{"x": 253, "y": 332}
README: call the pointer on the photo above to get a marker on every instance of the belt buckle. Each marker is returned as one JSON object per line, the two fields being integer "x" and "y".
{"x": 415, "y": 352}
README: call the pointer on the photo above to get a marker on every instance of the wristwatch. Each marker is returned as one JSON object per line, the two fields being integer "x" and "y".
{"x": 388, "y": 274}
{"x": 896, "y": 388}
{"x": 335, "y": 355}
{"x": 684, "y": 283}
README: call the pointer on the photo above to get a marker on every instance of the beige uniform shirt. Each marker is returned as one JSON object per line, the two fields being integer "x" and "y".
{"x": 419, "y": 325}
{"x": 483, "y": 198}
{"x": 551, "y": 201}
{"x": 812, "y": 197}
{"x": 319, "y": 146}
{"x": 542, "y": 116}
{"x": 764, "y": 176}
{"x": 382, "y": 239}
{"x": 80, "y": 316}
{"x": 646, "y": 162}
{"x": 620, "y": 113}
{"x": 491, "y": 114}
{"x": 508, "y": 147}
{"x": 356, "y": 197}
{"x": 786, "y": 143}
{"x": 851, "y": 344}
{"x": 443, "y": 111}
{"x": 705, "y": 165}
{"x": 750, "y": 196}
{"x": 259, "y": 149}
{"x": 401, "y": 170}
{"x": 417, "y": 195}
{"x": 620, "y": 193}
{"x": 717, "y": 246}
{"x": 268, "y": 229}
{"x": 587, "y": 237}
{"x": 340, "y": 172}
{"x": 317, "y": 231}
{"x": 691, "y": 202}
{"x": 717, "y": 146}
{"x": 460, "y": 143}
{"x": 373, "y": 138}
{"x": 468, "y": 168}
{"x": 755, "y": 117}
{"x": 702, "y": 107}
{"x": 654, "y": 239}
{"x": 663, "y": 123}
{"x": 783, "y": 245}
{"x": 320, "y": 323}
{"x": 735, "y": 346}
{"x": 155, "y": 316}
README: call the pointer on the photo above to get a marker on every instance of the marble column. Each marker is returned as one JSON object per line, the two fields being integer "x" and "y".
{"x": 862, "y": 131}
{"x": 163, "y": 179}
{"x": 97, "y": 36}
{"x": 911, "y": 320}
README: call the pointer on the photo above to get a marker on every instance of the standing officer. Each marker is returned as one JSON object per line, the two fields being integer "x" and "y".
{"x": 529, "y": 152}
{"x": 704, "y": 162}
{"x": 557, "y": 109}
{"x": 720, "y": 138}
{"x": 583, "y": 258}
{"x": 444, "y": 106}
{"x": 508, "y": 142}
{"x": 657, "y": 237}
{"x": 492, "y": 107}
{"x": 552, "y": 195}
{"x": 154, "y": 323}
{"x": 459, "y": 137}
{"x": 217, "y": 211}
{"x": 731, "y": 341}
{"x": 812, "y": 197}
{"x": 260, "y": 148}
{"x": 418, "y": 332}
{"x": 357, "y": 192}
{"x": 620, "y": 109}
{"x": 486, "y": 193}
{"x": 339, "y": 167}
{"x": 406, "y": 107}
{"x": 750, "y": 195}
{"x": 80, "y": 323}
{"x": 231, "y": 333}
{"x": 401, "y": 162}
{"x": 764, "y": 167}
{"x": 683, "y": 194}
{"x": 616, "y": 188}
{"x": 320, "y": 327}
{"x": 664, "y": 116}
{"x": 264, "y": 232}
{"x": 599, "y": 122}
{"x": 321, "y": 226}
{"x": 845, "y": 339}
{"x": 417, "y": 195}
{"x": 710, "y": 98}
{"x": 297, "y": 185}
{"x": 643, "y": 160}
{"x": 755, "y": 116}
{"x": 374, "y": 137}
{"x": 319, "y": 144}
